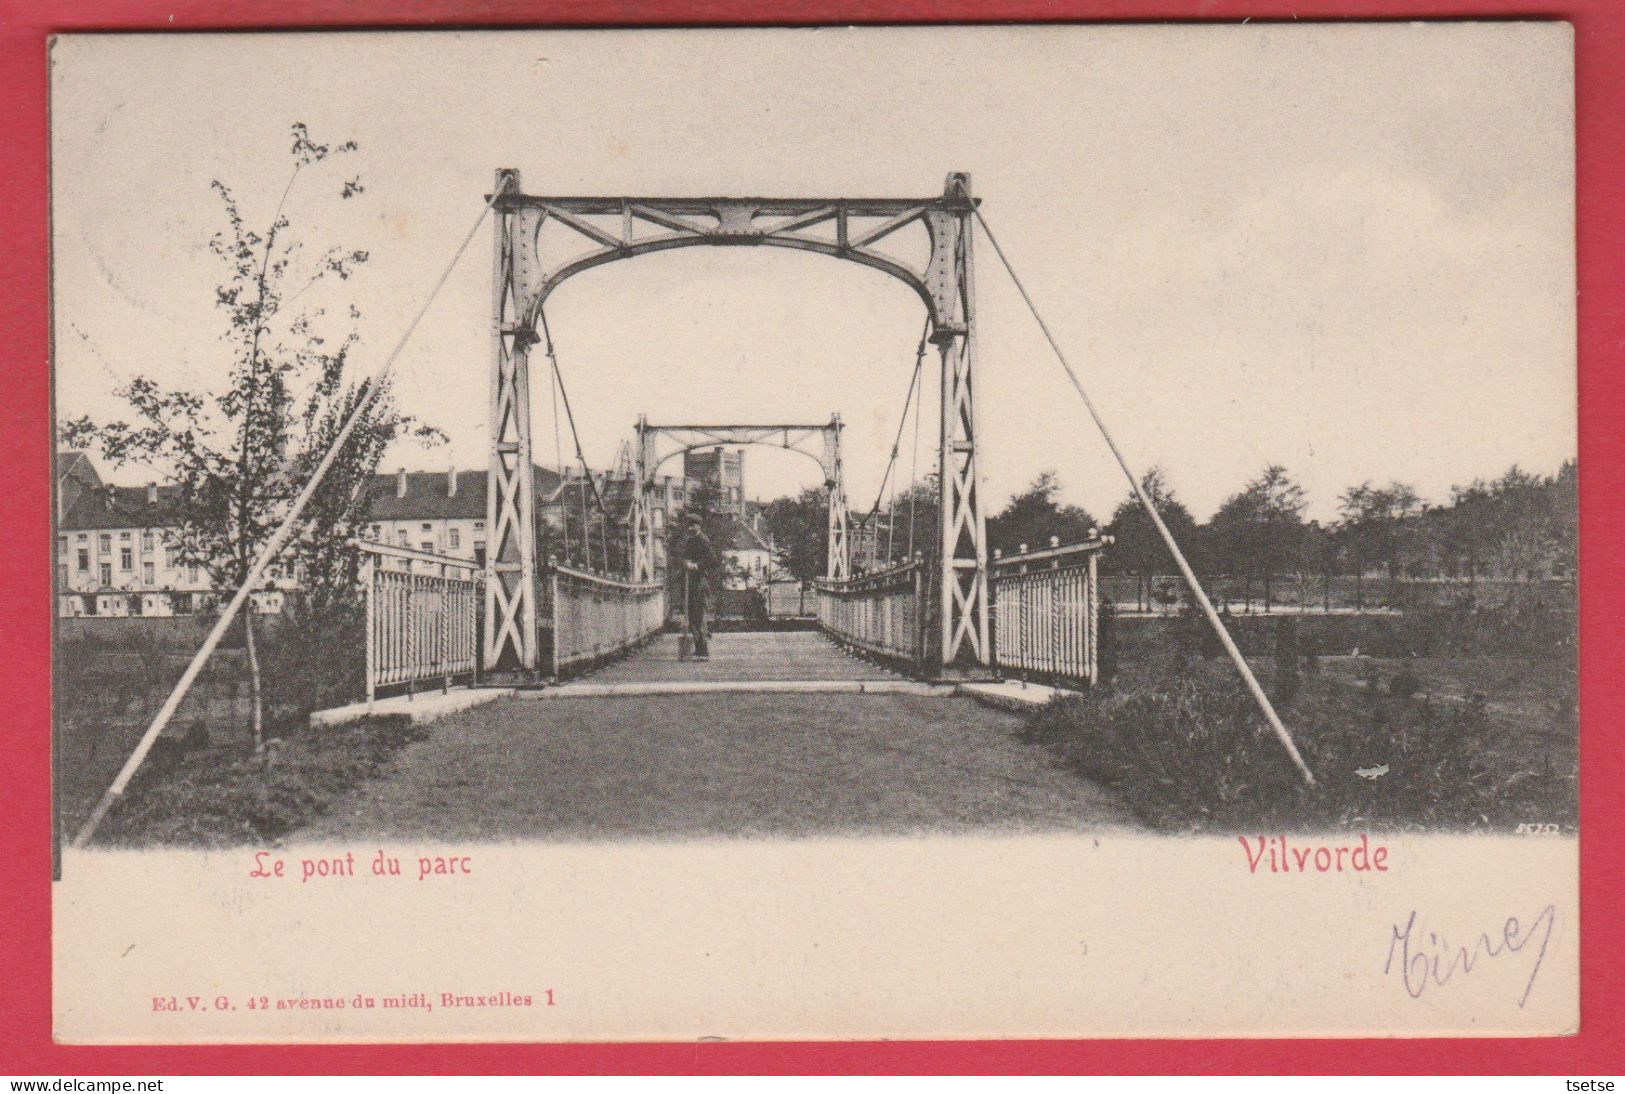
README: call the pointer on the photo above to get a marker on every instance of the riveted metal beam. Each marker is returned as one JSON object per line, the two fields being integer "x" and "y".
{"x": 845, "y": 228}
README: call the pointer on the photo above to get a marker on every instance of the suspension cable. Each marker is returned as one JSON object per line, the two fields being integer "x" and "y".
{"x": 273, "y": 546}
{"x": 552, "y": 357}
{"x": 902, "y": 421}
{"x": 891, "y": 525}
{"x": 1156, "y": 518}
{"x": 558, "y": 458}
{"x": 914, "y": 477}
{"x": 558, "y": 444}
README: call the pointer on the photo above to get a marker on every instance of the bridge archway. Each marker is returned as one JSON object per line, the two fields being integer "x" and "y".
{"x": 692, "y": 438}
{"x": 617, "y": 228}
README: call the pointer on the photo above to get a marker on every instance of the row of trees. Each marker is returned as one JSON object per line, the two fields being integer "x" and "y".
{"x": 1519, "y": 526}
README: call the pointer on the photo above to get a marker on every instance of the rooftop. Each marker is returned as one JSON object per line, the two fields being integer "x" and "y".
{"x": 400, "y": 495}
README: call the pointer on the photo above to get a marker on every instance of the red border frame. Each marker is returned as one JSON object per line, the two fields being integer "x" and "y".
{"x": 25, "y": 1013}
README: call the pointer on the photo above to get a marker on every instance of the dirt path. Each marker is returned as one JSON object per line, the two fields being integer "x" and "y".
{"x": 719, "y": 765}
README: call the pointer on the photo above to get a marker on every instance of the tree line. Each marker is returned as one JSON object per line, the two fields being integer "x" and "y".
{"x": 1520, "y": 526}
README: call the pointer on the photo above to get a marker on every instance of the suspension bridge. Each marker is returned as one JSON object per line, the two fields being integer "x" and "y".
{"x": 910, "y": 628}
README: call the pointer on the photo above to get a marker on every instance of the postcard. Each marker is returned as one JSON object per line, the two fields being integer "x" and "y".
{"x": 815, "y": 534}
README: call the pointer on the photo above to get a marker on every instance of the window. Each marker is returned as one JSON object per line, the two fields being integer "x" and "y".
{"x": 124, "y": 537}
{"x": 126, "y": 558}
{"x": 82, "y": 537}
{"x": 479, "y": 526}
{"x": 191, "y": 574}
{"x": 62, "y": 576}
{"x": 84, "y": 560}
{"x": 428, "y": 546}
{"x": 107, "y": 573}
{"x": 455, "y": 538}
{"x": 104, "y": 543}
{"x": 146, "y": 543}
{"x": 376, "y": 532}
{"x": 479, "y": 552}
{"x": 403, "y": 538}
{"x": 427, "y": 526}
{"x": 149, "y": 573}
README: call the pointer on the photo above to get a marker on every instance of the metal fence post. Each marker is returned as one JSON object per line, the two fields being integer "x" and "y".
{"x": 369, "y": 575}
{"x": 553, "y": 580}
{"x": 445, "y": 634}
{"x": 411, "y": 636}
{"x": 1093, "y": 620}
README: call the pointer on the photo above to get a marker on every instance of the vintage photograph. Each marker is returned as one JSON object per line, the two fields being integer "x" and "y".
{"x": 1153, "y": 436}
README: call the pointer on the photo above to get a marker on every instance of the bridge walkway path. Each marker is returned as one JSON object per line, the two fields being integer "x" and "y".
{"x": 563, "y": 766}
{"x": 743, "y": 657}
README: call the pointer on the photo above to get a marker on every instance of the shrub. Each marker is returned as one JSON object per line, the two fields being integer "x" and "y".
{"x": 1190, "y": 753}
{"x": 1404, "y": 684}
{"x": 1287, "y": 678}
{"x": 1106, "y": 642}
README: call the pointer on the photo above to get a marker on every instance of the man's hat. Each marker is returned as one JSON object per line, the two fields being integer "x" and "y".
{"x": 692, "y": 518}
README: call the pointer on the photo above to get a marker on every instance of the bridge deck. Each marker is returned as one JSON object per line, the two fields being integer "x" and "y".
{"x": 752, "y": 656}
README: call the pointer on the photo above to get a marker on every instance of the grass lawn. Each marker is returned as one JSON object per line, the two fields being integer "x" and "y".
{"x": 720, "y": 765}
{"x": 226, "y": 795}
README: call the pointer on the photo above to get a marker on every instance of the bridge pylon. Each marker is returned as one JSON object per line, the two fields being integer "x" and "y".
{"x": 511, "y": 630}
{"x": 839, "y": 562}
{"x": 614, "y": 228}
{"x": 641, "y": 524}
{"x": 962, "y": 585}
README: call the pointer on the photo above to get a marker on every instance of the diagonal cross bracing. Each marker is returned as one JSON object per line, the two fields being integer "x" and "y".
{"x": 612, "y": 228}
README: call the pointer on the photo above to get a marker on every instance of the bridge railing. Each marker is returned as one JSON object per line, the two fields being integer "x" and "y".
{"x": 881, "y": 613}
{"x": 1045, "y": 612}
{"x": 595, "y": 617}
{"x": 422, "y": 613}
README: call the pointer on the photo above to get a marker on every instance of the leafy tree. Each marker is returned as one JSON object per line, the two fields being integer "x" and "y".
{"x": 799, "y": 526}
{"x": 915, "y": 513}
{"x": 1517, "y": 524}
{"x": 1320, "y": 556}
{"x": 1035, "y": 515}
{"x": 1139, "y": 549}
{"x": 241, "y": 453}
{"x": 1259, "y": 531}
{"x": 1563, "y": 516}
{"x": 1373, "y": 527}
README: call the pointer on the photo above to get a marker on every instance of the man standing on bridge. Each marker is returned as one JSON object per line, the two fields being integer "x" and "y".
{"x": 700, "y": 564}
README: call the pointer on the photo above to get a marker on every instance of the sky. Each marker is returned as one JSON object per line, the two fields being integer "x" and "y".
{"x": 1344, "y": 249}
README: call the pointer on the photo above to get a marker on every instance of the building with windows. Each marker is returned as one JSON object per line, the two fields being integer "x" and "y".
{"x": 440, "y": 512}
{"x": 723, "y": 472}
{"x": 748, "y": 557}
{"x": 116, "y": 553}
